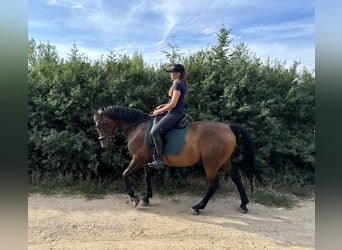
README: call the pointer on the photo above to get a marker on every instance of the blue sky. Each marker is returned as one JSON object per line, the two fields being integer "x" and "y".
{"x": 281, "y": 30}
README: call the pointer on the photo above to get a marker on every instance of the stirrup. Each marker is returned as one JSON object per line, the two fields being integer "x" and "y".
{"x": 157, "y": 164}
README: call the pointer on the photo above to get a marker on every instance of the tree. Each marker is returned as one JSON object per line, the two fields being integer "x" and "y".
{"x": 174, "y": 56}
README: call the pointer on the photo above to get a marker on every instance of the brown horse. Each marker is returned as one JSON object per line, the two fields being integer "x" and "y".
{"x": 211, "y": 142}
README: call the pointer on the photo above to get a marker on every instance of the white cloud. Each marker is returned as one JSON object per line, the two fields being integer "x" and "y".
{"x": 282, "y": 30}
{"x": 147, "y": 26}
{"x": 285, "y": 53}
{"x": 65, "y": 3}
{"x": 209, "y": 31}
{"x": 51, "y": 2}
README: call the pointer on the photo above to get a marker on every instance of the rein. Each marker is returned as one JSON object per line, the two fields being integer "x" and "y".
{"x": 138, "y": 122}
{"x": 111, "y": 138}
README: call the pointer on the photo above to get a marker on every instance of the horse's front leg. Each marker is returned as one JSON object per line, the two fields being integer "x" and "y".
{"x": 148, "y": 187}
{"x": 132, "y": 167}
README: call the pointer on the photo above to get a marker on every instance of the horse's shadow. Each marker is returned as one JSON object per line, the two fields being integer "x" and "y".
{"x": 219, "y": 209}
{"x": 223, "y": 212}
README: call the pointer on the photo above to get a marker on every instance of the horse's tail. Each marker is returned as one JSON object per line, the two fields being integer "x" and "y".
{"x": 248, "y": 160}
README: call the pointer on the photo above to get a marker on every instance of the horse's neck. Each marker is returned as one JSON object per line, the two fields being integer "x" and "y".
{"x": 130, "y": 130}
{"x": 136, "y": 133}
{"x": 126, "y": 119}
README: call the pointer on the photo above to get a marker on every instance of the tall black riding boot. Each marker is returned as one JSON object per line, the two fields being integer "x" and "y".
{"x": 158, "y": 153}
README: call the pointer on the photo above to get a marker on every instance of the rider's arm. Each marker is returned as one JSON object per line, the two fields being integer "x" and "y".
{"x": 168, "y": 106}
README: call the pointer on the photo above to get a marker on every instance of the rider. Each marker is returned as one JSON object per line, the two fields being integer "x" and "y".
{"x": 175, "y": 109}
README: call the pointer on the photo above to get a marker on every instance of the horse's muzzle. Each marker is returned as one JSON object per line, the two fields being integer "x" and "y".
{"x": 106, "y": 142}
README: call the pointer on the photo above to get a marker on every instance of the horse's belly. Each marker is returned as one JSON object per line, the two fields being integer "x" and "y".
{"x": 182, "y": 160}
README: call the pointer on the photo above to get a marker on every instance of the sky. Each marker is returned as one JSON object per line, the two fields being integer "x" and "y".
{"x": 275, "y": 30}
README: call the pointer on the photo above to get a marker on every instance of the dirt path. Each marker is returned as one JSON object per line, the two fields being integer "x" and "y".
{"x": 57, "y": 222}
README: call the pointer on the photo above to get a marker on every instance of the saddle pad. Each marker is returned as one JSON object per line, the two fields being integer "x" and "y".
{"x": 173, "y": 139}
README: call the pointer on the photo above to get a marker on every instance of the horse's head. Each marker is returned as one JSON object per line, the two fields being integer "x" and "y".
{"x": 105, "y": 128}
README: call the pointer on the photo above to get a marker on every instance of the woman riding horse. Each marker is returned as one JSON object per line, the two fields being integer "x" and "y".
{"x": 212, "y": 143}
{"x": 175, "y": 109}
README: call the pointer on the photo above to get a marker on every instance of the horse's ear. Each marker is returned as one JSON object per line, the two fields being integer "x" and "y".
{"x": 95, "y": 112}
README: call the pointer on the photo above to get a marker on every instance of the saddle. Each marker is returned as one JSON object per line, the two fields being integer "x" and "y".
{"x": 173, "y": 139}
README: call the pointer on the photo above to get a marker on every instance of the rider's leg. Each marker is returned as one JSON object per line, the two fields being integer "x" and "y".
{"x": 165, "y": 124}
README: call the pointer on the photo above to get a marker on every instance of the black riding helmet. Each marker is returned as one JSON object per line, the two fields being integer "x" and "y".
{"x": 177, "y": 68}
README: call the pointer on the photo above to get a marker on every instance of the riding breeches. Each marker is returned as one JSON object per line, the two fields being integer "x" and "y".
{"x": 166, "y": 123}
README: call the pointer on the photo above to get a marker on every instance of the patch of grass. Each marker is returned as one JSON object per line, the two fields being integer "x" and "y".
{"x": 302, "y": 191}
{"x": 44, "y": 188}
{"x": 87, "y": 188}
{"x": 274, "y": 195}
{"x": 271, "y": 198}
{"x": 291, "y": 185}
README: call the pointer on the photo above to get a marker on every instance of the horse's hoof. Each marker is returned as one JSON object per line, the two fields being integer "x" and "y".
{"x": 144, "y": 203}
{"x": 243, "y": 210}
{"x": 135, "y": 201}
{"x": 195, "y": 211}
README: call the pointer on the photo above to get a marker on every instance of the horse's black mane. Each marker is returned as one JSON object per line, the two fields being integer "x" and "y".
{"x": 125, "y": 114}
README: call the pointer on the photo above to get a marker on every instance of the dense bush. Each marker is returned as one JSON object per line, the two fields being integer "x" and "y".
{"x": 226, "y": 82}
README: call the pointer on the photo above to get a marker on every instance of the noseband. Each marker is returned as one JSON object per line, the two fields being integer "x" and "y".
{"x": 102, "y": 124}
{"x": 110, "y": 138}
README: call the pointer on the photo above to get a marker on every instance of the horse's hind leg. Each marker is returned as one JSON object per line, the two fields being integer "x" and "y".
{"x": 237, "y": 180}
{"x": 235, "y": 175}
{"x": 213, "y": 185}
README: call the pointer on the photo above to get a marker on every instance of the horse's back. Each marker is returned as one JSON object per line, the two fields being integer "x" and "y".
{"x": 205, "y": 140}
{"x": 210, "y": 132}
{"x": 216, "y": 142}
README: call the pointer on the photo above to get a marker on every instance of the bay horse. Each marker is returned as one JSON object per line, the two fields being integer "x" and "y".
{"x": 210, "y": 142}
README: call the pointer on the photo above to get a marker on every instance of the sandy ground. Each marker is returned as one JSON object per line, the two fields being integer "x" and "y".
{"x": 75, "y": 222}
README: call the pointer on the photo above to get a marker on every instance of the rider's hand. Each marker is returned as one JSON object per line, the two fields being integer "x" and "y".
{"x": 155, "y": 112}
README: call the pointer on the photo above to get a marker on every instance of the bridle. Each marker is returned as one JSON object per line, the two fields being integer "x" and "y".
{"x": 102, "y": 127}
